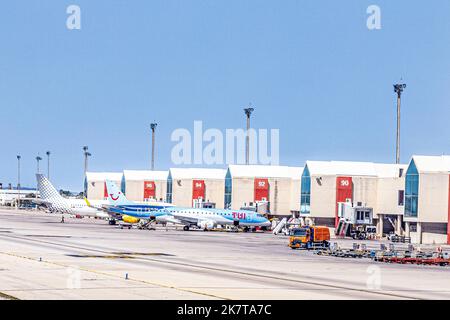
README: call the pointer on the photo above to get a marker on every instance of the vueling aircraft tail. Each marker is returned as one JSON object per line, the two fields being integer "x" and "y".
{"x": 115, "y": 196}
{"x": 46, "y": 189}
{"x": 50, "y": 195}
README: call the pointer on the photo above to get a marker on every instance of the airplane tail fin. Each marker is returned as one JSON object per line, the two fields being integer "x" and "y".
{"x": 46, "y": 190}
{"x": 49, "y": 193}
{"x": 115, "y": 196}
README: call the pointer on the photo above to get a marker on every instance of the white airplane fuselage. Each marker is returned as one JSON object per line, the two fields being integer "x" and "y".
{"x": 79, "y": 207}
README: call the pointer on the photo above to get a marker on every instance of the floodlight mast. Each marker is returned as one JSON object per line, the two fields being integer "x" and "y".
{"x": 153, "y": 128}
{"x": 398, "y": 88}
{"x": 48, "y": 164}
{"x": 86, "y": 155}
{"x": 38, "y": 158}
{"x": 18, "y": 181}
{"x": 248, "y": 113}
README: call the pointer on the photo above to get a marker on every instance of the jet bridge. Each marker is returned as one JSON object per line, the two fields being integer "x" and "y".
{"x": 355, "y": 221}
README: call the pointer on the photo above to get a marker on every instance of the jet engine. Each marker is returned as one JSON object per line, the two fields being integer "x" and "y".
{"x": 206, "y": 224}
{"x": 129, "y": 219}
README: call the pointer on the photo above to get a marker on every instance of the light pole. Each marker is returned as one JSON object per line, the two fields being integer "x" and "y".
{"x": 248, "y": 112}
{"x": 38, "y": 158}
{"x": 398, "y": 88}
{"x": 153, "y": 127}
{"x": 18, "y": 180}
{"x": 48, "y": 164}
{"x": 86, "y": 155}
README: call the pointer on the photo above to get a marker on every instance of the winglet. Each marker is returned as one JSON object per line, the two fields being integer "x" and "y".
{"x": 87, "y": 202}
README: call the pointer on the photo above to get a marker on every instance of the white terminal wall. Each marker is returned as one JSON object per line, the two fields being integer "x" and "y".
{"x": 374, "y": 185}
{"x": 323, "y": 196}
{"x": 182, "y": 185}
{"x": 284, "y": 186}
{"x": 135, "y": 179}
{"x": 295, "y": 193}
{"x": 95, "y": 183}
{"x": 387, "y": 200}
{"x": 390, "y": 181}
{"x": 433, "y": 198}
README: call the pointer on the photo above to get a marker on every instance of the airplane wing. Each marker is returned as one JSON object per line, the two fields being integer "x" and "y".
{"x": 170, "y": 219}
{"x": 189, "y": 220}
{"x": 37, "y": 200}
{"x": 185, "y": 219}
{"x": 104, "y": 207}
{"x": 177, "y": 219}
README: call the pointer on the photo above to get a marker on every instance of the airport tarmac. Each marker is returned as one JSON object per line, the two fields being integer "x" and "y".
{"x": 41, "y": 258}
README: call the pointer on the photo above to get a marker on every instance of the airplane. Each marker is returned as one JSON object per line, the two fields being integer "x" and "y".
{"x": 209, "y": 218}
{"x": 202, "y": 218}
{"x": 50, "y": 197}
{"x": 118, "y": 202}
{"x": 117, "y": 206}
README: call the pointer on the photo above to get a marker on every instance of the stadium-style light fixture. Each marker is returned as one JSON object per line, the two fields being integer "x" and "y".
{"x": 398, "y": 88}
{"x": 248, "y": 112}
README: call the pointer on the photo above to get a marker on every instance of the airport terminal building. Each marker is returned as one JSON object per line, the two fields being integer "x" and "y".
{"x": 251, "y": 185}
{"x": 364, "y": 184}
{"x": 95, "y": 184}
{"x": 427, "y": 199}
{"x": 190, "y": 187}
{"x": 413, "y": 199}
{"x": 144, "y": 185}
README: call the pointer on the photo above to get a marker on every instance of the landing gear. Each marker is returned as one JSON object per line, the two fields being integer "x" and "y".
{"x": 186, "y": 228}
{"x": 246, "y": 229}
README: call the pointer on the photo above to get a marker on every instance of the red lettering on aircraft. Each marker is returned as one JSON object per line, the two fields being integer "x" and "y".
{"x": 239, "y": 215}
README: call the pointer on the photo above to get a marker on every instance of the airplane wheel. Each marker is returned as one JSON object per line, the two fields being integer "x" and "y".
{"x": 246, "y": 229}
{"x": 186, "y": 228}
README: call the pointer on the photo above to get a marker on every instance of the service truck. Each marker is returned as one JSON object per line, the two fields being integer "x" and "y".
{"x": 309, "y": 237}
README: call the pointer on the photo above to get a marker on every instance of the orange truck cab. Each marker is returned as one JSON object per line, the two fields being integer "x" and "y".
{"x": 309, "y": 237}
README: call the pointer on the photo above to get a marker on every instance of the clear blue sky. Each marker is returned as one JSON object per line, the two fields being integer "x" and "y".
{"x": 310, "y": 68}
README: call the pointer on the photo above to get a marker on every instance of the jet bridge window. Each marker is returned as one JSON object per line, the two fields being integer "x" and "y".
{"x": 305, "y": 197}
{"x": 411, "y": 191}
{"x": 228, "y": 190}
{"x": 359, "y": 215}
{"x": 169, "y": 188}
